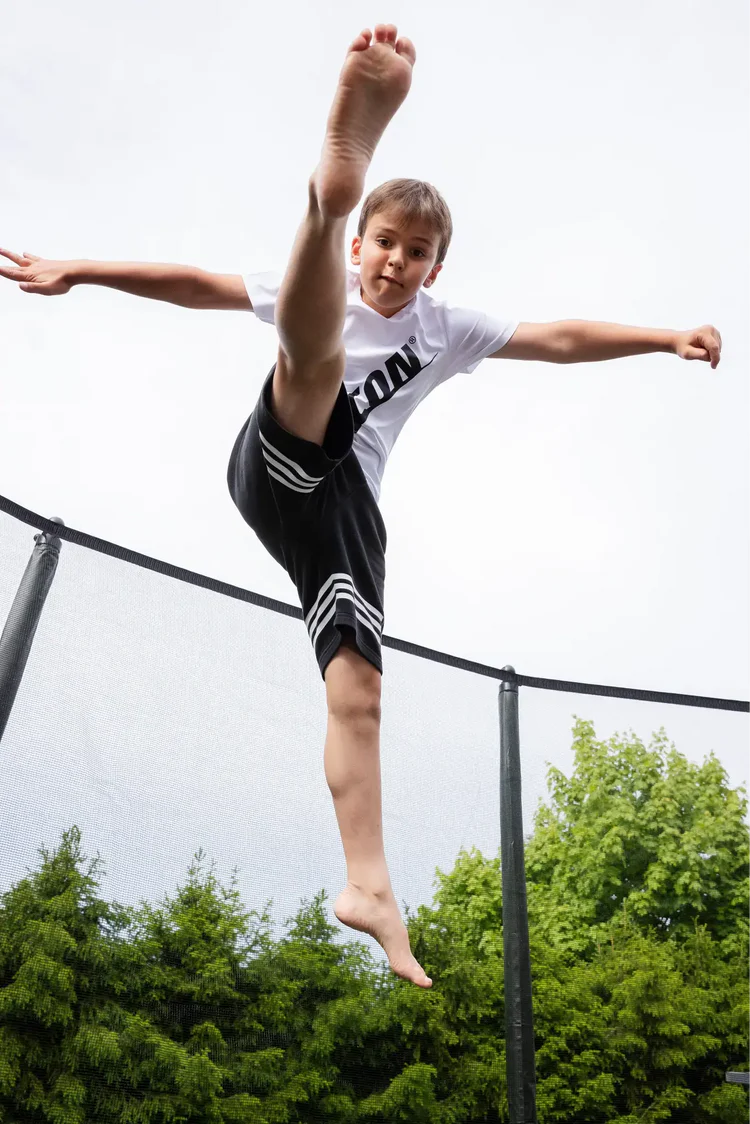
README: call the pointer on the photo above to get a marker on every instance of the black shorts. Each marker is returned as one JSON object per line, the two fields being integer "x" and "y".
{"x": 313, "y": 510}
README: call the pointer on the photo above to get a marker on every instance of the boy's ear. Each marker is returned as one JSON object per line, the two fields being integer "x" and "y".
{"x": 356, "y": 250}
{"x": 431, "y": 277}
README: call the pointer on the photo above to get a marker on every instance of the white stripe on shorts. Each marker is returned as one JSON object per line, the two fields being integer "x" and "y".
{"x": 332, "y": 611}
{"x": 294, "y": 487}
{"x": 298, "y": 480}
{"x": 341, "y": 587}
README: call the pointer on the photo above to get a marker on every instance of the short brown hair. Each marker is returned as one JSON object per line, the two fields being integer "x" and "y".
{"x": 415, "y": 199}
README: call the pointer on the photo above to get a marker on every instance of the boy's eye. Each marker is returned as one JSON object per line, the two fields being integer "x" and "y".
{"x": 384, "y": 241}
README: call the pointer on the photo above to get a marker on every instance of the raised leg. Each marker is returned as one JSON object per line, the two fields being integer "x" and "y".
{"x": 311, "y": 304}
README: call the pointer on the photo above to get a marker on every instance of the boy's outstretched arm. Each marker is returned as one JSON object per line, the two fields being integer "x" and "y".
{"x": 185, "y": 285}
{"x": 590, "y": 341}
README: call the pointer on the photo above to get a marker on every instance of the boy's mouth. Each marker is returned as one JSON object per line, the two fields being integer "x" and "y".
{"x": 392, "y": 280}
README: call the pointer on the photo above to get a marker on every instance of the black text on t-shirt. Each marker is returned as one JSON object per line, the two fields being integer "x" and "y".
{"x": 380, "y": 386}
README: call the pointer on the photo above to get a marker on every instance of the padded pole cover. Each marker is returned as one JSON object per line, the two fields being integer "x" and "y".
{"x": 18, "y": 634}
{"x": 520, "y": 1061}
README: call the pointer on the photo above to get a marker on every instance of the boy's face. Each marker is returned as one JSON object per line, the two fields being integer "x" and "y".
{"x": 395, "y": 258}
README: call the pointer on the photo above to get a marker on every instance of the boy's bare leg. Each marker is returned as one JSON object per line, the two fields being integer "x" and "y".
{"x": 311, "y": 304}
{"x": 352, "y": 764}
{"x": 310, "y": 312}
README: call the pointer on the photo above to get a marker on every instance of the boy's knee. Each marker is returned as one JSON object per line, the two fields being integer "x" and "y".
{"x": 355, "y": 708}
{"x": 353, "y": 688}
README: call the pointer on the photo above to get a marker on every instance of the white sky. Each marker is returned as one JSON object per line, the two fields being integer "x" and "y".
{"x": 584, "y": 522}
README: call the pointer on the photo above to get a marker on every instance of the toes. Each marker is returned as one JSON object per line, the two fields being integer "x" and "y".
{"x": 413, "y": 972}
{"x": 386, "y": 33}
{"x": 362, "y": 42}
{"x": 406, "y": 48}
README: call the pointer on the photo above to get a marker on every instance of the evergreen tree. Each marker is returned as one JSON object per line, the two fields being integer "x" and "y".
{"x": 59, "y": 954}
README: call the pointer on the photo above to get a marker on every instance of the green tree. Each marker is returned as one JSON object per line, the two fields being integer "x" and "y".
{"x": 640, "y": 830}
{"x": 58, "y": 950}
{"x": 191, "y": 1011}
{"x": 186, "y": 1011}
{"x": 638, "y": 895}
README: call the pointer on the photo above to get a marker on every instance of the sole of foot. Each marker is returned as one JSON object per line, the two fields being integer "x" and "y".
{"x": 378, "y": 915}
{"x": 374, "y": 81}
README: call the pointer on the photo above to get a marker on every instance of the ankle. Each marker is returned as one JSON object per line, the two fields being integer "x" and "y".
{"x": 372, "y": 885}
{"x": 332, "y": 198}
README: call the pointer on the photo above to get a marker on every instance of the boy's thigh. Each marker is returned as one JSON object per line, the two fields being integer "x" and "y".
{"x": 311, "y": 507}
{"x": 303, "y": 396}
{"x": 280, "y": 480}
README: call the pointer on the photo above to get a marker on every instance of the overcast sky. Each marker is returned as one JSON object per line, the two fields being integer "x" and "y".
{"x": 583, "y": 522}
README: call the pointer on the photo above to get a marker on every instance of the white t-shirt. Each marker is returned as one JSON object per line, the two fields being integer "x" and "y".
{"x": 392, "y": 363}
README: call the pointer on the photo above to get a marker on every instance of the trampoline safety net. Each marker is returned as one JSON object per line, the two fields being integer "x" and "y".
{"x": 198, "y": 973}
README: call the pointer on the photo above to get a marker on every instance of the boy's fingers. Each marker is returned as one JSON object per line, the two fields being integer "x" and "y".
{"x": 710, "y": 355}
{"x": 711, "y": 345}
{"x": 13, "y": 257}
{"x": 11, "y": 274}
{"x": 31, "y": 257}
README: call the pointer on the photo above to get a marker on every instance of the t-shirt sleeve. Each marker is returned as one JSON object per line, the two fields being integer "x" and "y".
{"x": 472, "y": 336}
{"x": 262, "y": 289}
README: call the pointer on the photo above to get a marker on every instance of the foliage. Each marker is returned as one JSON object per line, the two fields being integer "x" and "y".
{"x": 191, "y": 1011}
{"x": 643, "y": 831}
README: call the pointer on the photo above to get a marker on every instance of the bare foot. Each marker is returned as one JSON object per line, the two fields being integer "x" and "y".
{"x": 374, "y": 81}
{"x": 378, "y": 915}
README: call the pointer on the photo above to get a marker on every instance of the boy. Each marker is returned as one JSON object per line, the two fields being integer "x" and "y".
{"x": 356, "y": 355}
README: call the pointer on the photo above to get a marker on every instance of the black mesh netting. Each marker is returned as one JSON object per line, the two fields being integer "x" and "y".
{"x": 163, "y": 717}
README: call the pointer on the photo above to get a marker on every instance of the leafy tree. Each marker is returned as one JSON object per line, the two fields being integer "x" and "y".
{"x": 638, "y": 902}
{"x": 640, "y": 830}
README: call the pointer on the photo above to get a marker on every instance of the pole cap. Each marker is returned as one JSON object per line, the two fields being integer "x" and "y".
{"x": 509, "y": 684}
{"x": 47, "y": 537}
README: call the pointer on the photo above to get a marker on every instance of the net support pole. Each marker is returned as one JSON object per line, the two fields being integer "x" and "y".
{"x": 20, "y": 627}
{"x": 520, "y": 1066}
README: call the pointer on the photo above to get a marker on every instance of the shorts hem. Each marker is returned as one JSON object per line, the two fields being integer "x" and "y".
{"x": 371, "y": 654}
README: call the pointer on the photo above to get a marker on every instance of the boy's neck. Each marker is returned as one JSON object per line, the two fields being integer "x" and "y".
{"x": 376, "y": 308}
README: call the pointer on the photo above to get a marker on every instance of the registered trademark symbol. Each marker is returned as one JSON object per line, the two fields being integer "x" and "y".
{"x": 412, "y": 339}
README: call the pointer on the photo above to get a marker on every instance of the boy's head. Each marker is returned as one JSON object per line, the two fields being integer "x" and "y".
{"x": 403, "y": 236}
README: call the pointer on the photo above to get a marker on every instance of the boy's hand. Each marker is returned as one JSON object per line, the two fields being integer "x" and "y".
{"x": 700, "y": 343}
{"x": 36, "y": 275}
